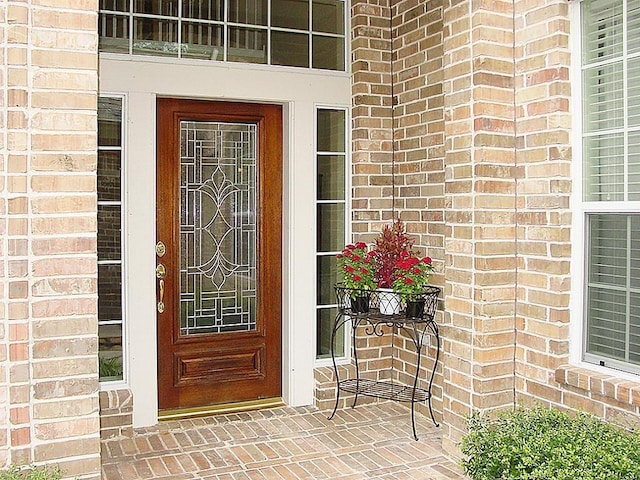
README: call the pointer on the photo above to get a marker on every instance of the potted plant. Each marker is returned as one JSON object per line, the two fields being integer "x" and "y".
{"x": 411, "y": 278}
{"x": 391, "y": 245}
{"x": 357, "y": 268}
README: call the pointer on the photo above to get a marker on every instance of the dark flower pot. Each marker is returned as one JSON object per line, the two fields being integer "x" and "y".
{"x": 360, "y": 304}
{"x": 415, "y": 309}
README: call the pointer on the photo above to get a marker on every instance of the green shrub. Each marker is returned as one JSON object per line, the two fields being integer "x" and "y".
{"x": 31, "y": 473}
{"x": 110, "y": 367}
{"x": 546, "y": 444}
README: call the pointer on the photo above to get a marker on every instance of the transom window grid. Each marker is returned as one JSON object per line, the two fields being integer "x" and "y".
{"x": 110, "y": 261}
{"x": 331, "y": 222}
{"x": 611, "y": 181}
{"x": 298, "y": 33}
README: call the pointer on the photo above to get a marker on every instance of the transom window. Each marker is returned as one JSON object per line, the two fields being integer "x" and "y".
{"x": 611, "y": 180}
{"x": 296, "y": 33}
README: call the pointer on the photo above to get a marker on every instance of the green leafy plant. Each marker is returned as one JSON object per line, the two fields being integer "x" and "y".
{"x": 109, "y": 367}
{"x": 411, "y": 276}
{"x": 391, "y": 245}
{"x": 15, "y": 472}
{"x": 547, "y": 444}
{"x": 356, "y": 267}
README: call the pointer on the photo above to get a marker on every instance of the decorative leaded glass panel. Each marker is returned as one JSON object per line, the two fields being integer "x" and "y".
{"x": 217, "y": 227}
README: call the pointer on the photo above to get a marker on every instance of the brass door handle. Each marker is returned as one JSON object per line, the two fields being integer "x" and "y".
{"x": 161, "y": 300}
{"x": 161, "y": 272}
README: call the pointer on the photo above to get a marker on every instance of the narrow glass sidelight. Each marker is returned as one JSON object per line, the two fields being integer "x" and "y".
{"x": 331, "y": 221}
{"x": 110, "y": 246}
{"x": 217, "y": 227}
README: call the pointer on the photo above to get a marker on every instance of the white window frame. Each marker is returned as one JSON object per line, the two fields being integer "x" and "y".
{"x": 581, "y": 210}
{"x": 115, "y": 384}
{"x": 224, "y": 23}
{"x": 346, "y": 357}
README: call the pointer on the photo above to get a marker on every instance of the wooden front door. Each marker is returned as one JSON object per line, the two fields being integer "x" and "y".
{"x": 219, "y": 210}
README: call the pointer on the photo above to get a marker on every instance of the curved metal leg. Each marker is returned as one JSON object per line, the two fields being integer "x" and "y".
{"x": 434, "y": 329}
{"x": 431, "y": 412}
{"x": 413, "y": 421}
{"x": 354, "y": 326}
{"x": 417, "y": 342}
{"x": 336, "y": 325}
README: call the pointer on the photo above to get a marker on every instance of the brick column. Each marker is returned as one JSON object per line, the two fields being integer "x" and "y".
{"x": 480, "y": 204}
{"x": 544, "y": 216}
{"x": 49, "y": 257}
{"x": 371, "y": 117}
{"x": 4, "y": 387}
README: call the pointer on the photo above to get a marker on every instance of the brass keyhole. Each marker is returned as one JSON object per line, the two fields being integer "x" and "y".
{"x": 161, "y": 271}
{"x": 161, "y": 249}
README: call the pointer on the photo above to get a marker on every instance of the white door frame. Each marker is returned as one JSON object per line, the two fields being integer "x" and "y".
{"x": 141, "y": 80}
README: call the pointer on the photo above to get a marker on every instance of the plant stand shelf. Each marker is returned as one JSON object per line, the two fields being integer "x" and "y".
{"x": 387, "y": 390}
{"x": 416, "y": 328}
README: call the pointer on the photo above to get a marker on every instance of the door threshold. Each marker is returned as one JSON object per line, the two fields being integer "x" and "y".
{"x": 235, "y": 407}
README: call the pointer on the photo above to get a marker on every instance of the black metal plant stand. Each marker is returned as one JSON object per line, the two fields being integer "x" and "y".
{"x": 416, "y": 328}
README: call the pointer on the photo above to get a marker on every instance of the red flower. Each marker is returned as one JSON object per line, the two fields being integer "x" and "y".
{"x": 339, "y": 255}
{"x": 416, "y": 270}
{"x": 356, "y": 278}
{"x": 350, "y": 247}
{"x": 407, "y": 263}
{"x": 364, "y": 270}
{"x": 408, "y": 281}
{"x": 361, "y": 245}
{"x": 349, "y": 268}
{"x": 427, "y": 260}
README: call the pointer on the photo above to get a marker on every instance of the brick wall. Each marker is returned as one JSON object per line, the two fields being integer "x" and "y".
{"x": 480, "y": 140}
{"x": 480, "y": 210}
{"x": 544, "y": 187}
{"x": 544, "y": 158}
{"x": 116, "y": 414}
{"x": 49, "y": 381}
{"x": 4, "y": 245}
{"x": 418, "y": 133}
{"x": 372, "y": 178}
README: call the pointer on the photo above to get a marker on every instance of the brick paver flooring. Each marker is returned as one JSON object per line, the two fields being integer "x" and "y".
{"x": 369, "y": 442}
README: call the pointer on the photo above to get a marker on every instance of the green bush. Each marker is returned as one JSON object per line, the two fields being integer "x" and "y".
{"x": 31, "y": 473}
{"x": 546, "y": 444}
{"x": 110, "y": 367}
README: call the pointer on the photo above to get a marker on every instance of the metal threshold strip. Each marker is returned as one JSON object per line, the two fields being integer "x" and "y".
{"x": 191, "y": 412}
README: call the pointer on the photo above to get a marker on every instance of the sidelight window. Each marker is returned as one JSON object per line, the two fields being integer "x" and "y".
{"x": 110, "y": 312}
{"x": 331, "y": 221}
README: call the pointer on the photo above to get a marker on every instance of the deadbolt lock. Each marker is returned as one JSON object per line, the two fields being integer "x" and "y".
{"x": 161, "y": 249}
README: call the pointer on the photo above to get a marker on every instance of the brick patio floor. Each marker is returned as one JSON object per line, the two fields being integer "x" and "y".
{"x": 372, "y": 441}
